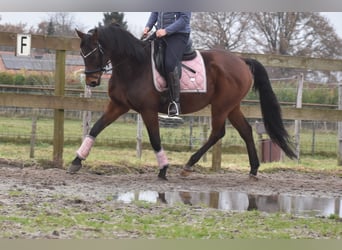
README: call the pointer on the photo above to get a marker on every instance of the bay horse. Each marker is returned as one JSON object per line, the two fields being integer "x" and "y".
{"x": 130, "y": 86}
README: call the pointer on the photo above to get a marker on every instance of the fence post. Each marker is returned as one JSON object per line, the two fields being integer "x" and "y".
{"x": 191, "y": 132}
{"x": 313, "y": 145}
{"x": 86, "y": 114}
{"x": 205, "y": 135}
{"x": 217, "y": 156}
{"x": 139, "y": 135}
{"x": 299, "y": 106}
{"x": 58, "y": 132}
{"x": 339, "y": 154}
{"x": 33, "y": 132}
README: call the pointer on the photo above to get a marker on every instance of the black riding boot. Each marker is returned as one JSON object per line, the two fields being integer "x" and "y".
{"x": 174, "y": 88}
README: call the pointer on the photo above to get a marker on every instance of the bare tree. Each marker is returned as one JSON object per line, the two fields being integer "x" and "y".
{"x": 15, "y": 28}
{"x": 225, "y": 30}
{"x": 58, "y": 24}
{"x": 294, "y": 33}
{"x": 322, "y": 38}
{"x": 64, "y": 23}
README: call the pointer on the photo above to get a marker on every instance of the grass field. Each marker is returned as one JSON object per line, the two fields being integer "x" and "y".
{"x": 104, "y": 155}
{"x": 105, "y": 219}
{"x": 120, "y": 139}
{"x": 145, "y": 221}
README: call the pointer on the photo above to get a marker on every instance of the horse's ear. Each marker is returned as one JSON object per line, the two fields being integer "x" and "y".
{"x": 79, "y": 33}
{"x": 95, "y": 35}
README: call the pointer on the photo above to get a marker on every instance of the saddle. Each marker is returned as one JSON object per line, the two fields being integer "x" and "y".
{"x": 192, "y": 74}
{"x": 158, "y": 56}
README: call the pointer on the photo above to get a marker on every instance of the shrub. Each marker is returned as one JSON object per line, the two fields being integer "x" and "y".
{"x": 19, "y": 79}
{"x": 6, "y": 78}
{"x": 35, "y": 79}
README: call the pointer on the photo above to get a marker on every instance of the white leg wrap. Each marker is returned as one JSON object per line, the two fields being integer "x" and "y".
{"x": 84, "y": 150}
{"x": 162, "y": 159}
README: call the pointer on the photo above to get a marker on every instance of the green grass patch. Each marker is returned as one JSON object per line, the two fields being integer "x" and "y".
{"x": 122, "y": 133}
{"x": 111, "y": 221}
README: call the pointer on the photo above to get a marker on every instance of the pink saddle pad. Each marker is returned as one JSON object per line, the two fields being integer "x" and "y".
{"x": 193, "y": 80}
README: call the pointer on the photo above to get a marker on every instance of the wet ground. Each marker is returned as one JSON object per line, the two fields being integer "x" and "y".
{"x": 298, "y": 205}
{"x": 308, "y": 194}
{"x": 114, "y": 180}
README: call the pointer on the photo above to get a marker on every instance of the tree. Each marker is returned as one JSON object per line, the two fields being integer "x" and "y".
{"x": 58, "y": 24}
{"x": 225, "y": 30}
{"x": 294, "y": 33}
{"x": 285, "y": 33}
{"x": 50, "y": 29}
{"x": 42, "y": 28}
{"x": 63, "y": 23}
{"x": 114, "y": 17}
{"x": 15, "y": 28}
{"x": 297, "y": 34}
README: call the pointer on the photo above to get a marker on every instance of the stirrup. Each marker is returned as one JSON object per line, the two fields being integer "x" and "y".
{"x": 177, "y": 110}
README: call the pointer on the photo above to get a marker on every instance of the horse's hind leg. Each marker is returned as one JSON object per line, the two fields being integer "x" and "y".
{"x": 110, "y": 115}
{"x": 239, "y": 122}
{"x": 217, "y": 132}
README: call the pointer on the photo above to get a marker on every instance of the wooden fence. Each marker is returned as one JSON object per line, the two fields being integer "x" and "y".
{"x": 59, "y": 102}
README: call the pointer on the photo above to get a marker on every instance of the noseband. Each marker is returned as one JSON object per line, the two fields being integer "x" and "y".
{"x": 101, "y": 53}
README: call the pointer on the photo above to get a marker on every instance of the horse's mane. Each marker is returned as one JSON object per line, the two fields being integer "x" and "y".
{"x": 117, "y": 39}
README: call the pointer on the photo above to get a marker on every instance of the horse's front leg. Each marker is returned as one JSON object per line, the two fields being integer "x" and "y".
{"x": 152, "y": 125}
{"x": 110, "y": 115}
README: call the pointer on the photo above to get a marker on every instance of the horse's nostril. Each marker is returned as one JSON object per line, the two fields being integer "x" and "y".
{"x": 93, "y": 84}
{"x": 93, "y": 81}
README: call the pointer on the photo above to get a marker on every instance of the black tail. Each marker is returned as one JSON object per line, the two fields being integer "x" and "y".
{"x": 270, "y": 108}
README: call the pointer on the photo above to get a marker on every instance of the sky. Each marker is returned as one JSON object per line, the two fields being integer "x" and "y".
{"x": 135, "y": 20}
{"x": 88, "y": 20}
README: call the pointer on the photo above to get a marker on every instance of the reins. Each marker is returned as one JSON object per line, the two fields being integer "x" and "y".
{"x": 103, "y": 68}
{"x": 154, "y": 37}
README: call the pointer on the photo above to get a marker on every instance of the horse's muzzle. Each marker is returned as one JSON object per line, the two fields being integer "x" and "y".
{"x": 93, "y": 84}
{"x": 93, "y": 80}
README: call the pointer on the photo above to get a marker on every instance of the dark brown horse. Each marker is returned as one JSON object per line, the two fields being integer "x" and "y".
{"x": 229, "y": 78}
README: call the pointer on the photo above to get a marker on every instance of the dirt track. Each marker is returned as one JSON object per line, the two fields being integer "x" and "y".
{"x": 26, "y": 191}
{"x": 87, "y": 184}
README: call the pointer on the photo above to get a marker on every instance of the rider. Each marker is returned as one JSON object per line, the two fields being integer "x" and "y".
{"x": 174, "y": 28}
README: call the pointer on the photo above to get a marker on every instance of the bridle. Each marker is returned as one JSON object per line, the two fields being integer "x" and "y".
{"x": 103, "y": 66}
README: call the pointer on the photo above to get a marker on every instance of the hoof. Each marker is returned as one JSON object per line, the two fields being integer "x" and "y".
{"x": 253, "y": 177}
{"x": 185, "y": 173}
{"x": 162, "y": 173}
{"x": 163, "y": 178}
{"x": 187, "y": 170}
{"x": 73, "y": 169}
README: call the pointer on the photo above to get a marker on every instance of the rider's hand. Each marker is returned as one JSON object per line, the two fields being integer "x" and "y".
{"x": 145, "y": 32}
{"x": 161, "y": 33}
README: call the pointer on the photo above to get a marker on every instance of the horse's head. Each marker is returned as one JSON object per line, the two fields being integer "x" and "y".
{"x": 93, "y": 55}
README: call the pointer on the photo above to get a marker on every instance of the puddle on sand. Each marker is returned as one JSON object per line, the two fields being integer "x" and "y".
{"x": 239, "y": 201}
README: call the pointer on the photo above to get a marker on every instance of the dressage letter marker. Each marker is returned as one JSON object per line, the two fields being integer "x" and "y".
{"x": 23, "y": 45}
